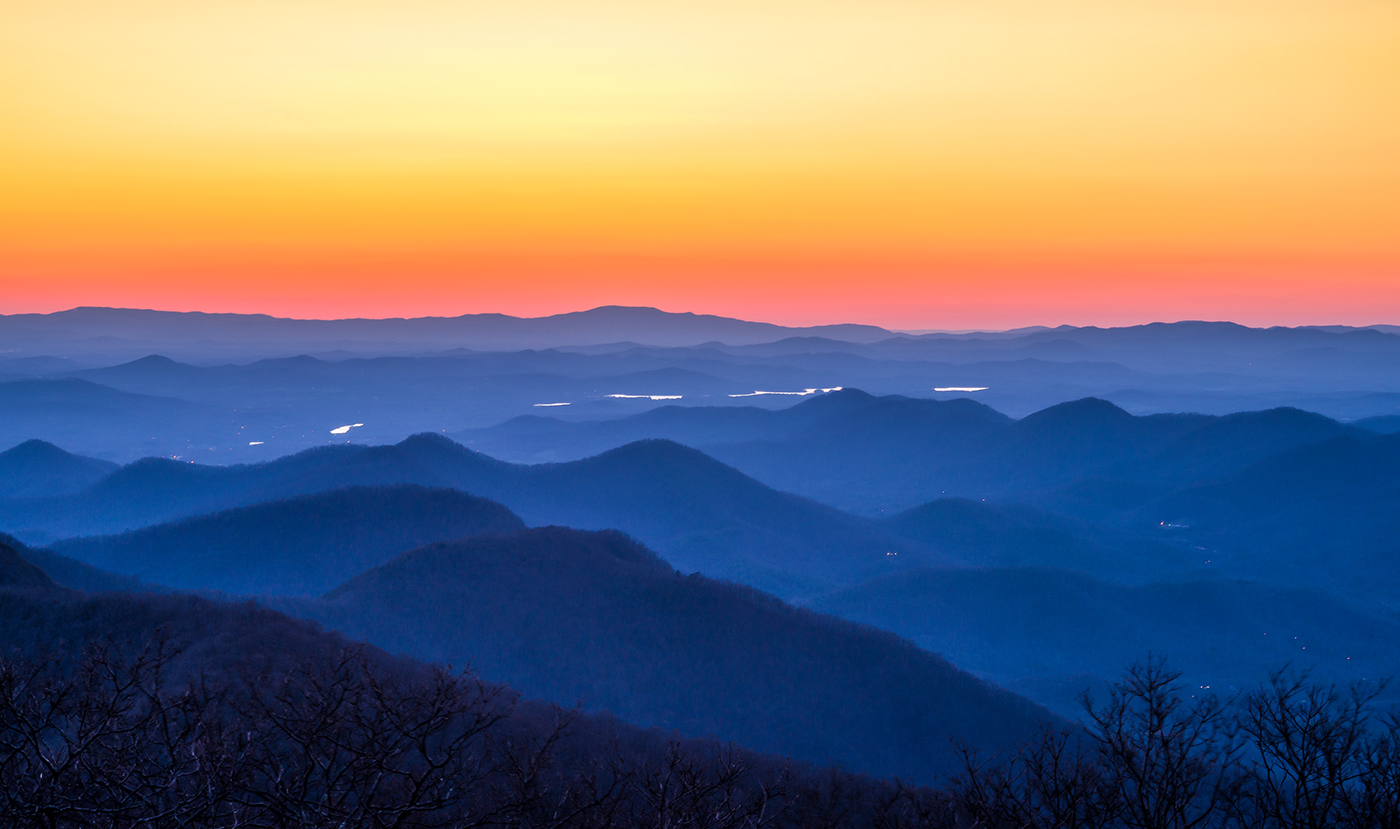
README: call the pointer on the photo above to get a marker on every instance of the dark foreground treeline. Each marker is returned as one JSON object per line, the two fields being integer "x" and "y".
{"x": 109, "y": 739}
{"x": 349, "y": 740}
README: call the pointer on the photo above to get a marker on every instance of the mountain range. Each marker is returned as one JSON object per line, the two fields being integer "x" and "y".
{"x": 585, "y": 618}
{"x": 872, "y": 454}
{"x": 1177, "y": 529}
{"x": 229, "y": 389}
{"x": 828, "y": 554}
{"x": 302, "y": 546}
{"x": 596, "y": 618}
{"x": 81, "y": 331}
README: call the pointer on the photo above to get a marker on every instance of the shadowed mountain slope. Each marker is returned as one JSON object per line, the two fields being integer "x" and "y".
{"x": 1322, "y": 514}
{"x": 596, "y": 617}
{"x": 214, "y": 638}
{"x": 37, "y": 468}
{"x": 708, "y": 517}
{"x": 1051, "y": 634}
{"x": 699, "y": 513}
{"x": 157, "y": 490}
{"x": 980, "y": 534}
{"x": 16, "y": 571}
{"x": 78, "y": 575}
{"x": 299, "y": 546}
{"x": 1384, "y": 424}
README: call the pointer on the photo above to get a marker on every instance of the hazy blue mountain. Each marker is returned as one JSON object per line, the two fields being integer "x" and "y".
{"x": 1384, "y": 424}
{"x": 999, "y": 535}
{"x": 78, "y": 575}
{"x": 1069, "y": 442}
{"x": 703, "y": 515}
{"x": 16, "y": 571}
{"x": 1319, "y": 514}
{"x": 1178, "y": 346}
{"x": 596, "y": 617}
{"x": 1174, "y": 346}
{"x": 275, "y": 407}
{"x": 87, "y": 416}
{"x": 300, "y": 546}
{"x": 849, "y": 416}
{"x": 82, "y": 331}
{"x": 699, "y": 513}
{"x": 246, "y": 405}
{"x": 37, "y": 468}
{"x": 1050, "y": 634}
{"x": 873, "y": 454}
{"x": 32, "y": 368}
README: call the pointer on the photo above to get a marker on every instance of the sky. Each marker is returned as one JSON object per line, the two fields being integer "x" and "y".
{"x": 934, "y": 164}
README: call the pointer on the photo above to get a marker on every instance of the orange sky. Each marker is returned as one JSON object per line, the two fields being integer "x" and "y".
{"x": 931, "y": 164}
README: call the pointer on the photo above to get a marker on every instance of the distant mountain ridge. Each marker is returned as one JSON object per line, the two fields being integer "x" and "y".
{"x": 196, "y": 386}
{"x": 254, "y": 333}
{"x": 870, "y": 453}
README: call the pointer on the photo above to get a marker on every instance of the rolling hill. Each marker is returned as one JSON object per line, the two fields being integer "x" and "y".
{"x": 978, "y": 534}
{"x": 37, "y": 468}
{"x": 1050, "y": 634}
{"x": 595, "y": 617}
{"x": 699, "y": 513}
{"x": 300, "y": 546}
{"x": 877, "y": 455}
{"x": 16, "y": 571}
{"x": 1320, "y": 515}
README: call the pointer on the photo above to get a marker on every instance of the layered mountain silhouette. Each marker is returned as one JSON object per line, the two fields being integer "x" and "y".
{"x": 699, "y": 513}
{"x": 1015, "y": 504}
{"x": 113, "y": 328}
{"x": 299, "y": 546}
{"x": 36, "y": 468}
{"x": 16, "y": 571}
{"x": 1384, "y": 424}
{"x": 75, "y": 412}
{"x": 1195, "y": 513}
{"x": 868, "y": 453}
{"x": 981, "y": 534}
{"x": 79, "y": 575}
{"x": 1160, "y": 483}
{"x": 249, "y": 389}
{"x": 1321, "y": 514}
{"x": 1051, "y": 633}
{"x": 595, "y": 617}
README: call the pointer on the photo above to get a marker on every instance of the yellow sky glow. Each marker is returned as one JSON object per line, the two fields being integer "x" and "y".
{"x": 473, "y": 139}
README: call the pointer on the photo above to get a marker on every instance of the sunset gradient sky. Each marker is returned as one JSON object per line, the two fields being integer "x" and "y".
{"x": 930, "y": 164}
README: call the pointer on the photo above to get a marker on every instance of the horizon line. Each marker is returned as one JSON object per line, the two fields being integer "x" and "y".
{"x": 904, "y": 331}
